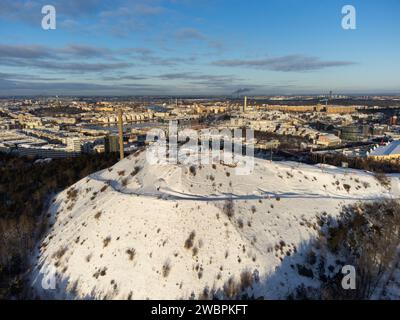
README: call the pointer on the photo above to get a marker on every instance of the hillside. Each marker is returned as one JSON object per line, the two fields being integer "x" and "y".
{"x": 138, "y": 231}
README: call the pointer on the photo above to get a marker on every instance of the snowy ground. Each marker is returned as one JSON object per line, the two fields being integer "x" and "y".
{"x": 163, "y": 232}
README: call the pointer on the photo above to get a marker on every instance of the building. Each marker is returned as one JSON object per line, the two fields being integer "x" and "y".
{"x": 268, "y": 145}
{"x": 111, "y": 143}
{"x": 390, "y": 151}
{"x": 74, "y": 145}
{"x": 317, "y": 108}
{"x": 329, "y": 140}
{"x": 43, "y": 152}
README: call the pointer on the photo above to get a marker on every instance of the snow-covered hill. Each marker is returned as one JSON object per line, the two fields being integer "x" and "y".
{"x": 138, "y": 231}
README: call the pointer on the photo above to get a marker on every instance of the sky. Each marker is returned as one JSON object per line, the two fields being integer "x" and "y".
{"x": 199, "y": 47}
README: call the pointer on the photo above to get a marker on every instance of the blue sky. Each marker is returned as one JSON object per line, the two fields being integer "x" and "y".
{"x": 199, "y": 47}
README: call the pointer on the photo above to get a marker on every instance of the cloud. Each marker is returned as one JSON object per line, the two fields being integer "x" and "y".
{"x": 9, "y": 88}
{"x": 27, "y": 77}
{"x": 68, "y": 58}
{"x": 220, "y": 81}
{"x": 147, "y": 56}
{"x": 192, "y": 34}
{"x": 75, "y": 58}
{"x": 29, "y": 11}
{"x": 290, "y": 63}
{"x": 43, "y": 52}
{"x": 124, "y": 77}
{"x": 79, "y": 50}
{"x": 71, "y": 67}
{"x": 25, "y": 51}
{"x": 145, "y": 9}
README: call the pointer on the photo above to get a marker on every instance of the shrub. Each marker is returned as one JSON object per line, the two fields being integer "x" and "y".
{"x": 60, "y": 253}
{"x": 106, "y": 241}
{"x": 367, "y": 237}
{"x": 228, "y": 208}
{"x": 135, "y": 171}
{"x": 124, "y": 182}
{"x": 131, "y": 253}
{"x": 304, "y": 271}
{"x": 72, "y": 194}
{"x": 166, "y": 268}
{"x": 383, "y": 179}
{"x": 231, "y": 288}
{"x": 189, "y": 241}
{"x": 192, "y": 170}
{"x": 246, "y": 279}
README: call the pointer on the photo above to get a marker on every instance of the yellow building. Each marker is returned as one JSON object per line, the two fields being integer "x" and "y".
{"x": 386, "y": 153}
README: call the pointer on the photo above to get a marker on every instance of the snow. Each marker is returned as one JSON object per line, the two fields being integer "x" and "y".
{"x": 124, "y": 232}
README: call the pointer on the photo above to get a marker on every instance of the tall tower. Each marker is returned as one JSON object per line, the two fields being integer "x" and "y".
{"x": 121, "y": 134}
{"x": 245, "y": 104}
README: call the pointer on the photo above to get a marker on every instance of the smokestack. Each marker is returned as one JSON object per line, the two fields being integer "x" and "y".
{"x": 121, "y": 134}
{"x": 245, "y": 104}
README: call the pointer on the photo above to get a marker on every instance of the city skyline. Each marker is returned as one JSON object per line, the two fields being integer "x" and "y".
{"x": 184, "y": 47}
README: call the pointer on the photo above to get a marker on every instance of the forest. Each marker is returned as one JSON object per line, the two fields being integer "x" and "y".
{"x": 26, "y": 187}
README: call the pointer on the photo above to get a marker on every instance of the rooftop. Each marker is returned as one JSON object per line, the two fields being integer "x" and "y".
{"x": 390, "y": 149}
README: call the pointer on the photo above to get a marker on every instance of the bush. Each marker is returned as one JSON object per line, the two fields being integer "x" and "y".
{"x": 383, "y": 179}
{"x": 231, "y": 288}
{"x": 189, "y": 241}
{"x": 347, "y": 187}
{"x": 135, "y": 171}
{"x": 166, "y": 268}
{"x": 228, "y": 208}
{"x": 106, "y": 241}
{"x": 192, "y": 170}
{"x": 124, "y": 182}
{"x": 97, "y": 215}
{"x": 246, "y": 279}
{"x": 367, "y": 237}
{"x": 131, "y": 253}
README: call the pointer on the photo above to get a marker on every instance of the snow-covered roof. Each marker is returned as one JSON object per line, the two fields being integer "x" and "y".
{"x": 390, "y": 149}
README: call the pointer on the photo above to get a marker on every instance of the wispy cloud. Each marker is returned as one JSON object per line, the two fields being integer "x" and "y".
{"x": 290, "y": 63}
{"x": 192, "y": 34}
